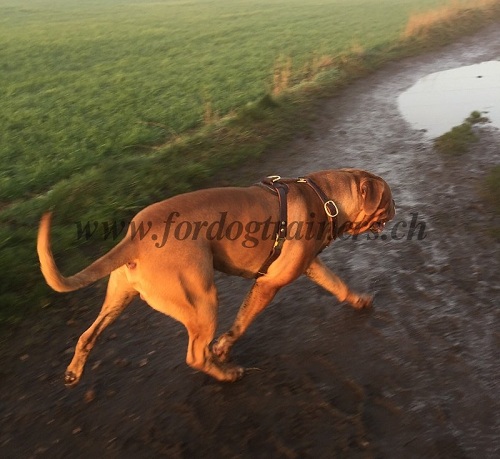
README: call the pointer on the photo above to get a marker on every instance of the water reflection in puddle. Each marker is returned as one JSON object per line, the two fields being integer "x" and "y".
{"x": 441, "y": 100}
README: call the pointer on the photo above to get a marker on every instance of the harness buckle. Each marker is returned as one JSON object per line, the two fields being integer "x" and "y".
{"x": 274, "y": 178}
{"x": 327, "y": 208}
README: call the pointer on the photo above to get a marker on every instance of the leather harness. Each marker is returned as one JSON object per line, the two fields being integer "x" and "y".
{"x": 279, "y": 186}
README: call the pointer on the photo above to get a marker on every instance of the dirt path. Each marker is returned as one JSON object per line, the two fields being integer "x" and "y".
{"x": 418, "y": 376}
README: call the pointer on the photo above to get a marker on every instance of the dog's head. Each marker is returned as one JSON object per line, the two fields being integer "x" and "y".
{"x": 375, "y": 207}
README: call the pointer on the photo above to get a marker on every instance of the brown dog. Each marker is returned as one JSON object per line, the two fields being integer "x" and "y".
{"x": 171, "y": 263}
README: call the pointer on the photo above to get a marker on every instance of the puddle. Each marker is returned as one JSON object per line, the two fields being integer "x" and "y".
{"x": 442, "y": 100}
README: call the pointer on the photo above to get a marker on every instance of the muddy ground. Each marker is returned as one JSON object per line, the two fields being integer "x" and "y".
{"x": 417, "y": 376}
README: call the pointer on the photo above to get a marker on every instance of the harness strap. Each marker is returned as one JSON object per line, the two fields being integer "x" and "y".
{"x": 281, "y": 189}
{"x": 330, "y": 207}
{"x": 275, "y": 184}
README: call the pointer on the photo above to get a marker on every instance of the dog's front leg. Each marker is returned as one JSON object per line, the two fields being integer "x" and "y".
{"x": 322, "y": 276}
{"x": 261, "y": 294}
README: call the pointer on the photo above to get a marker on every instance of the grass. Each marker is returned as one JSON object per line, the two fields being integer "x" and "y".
{"x": 459, "y": 138}
{"x": 110, "y": 105}
{"x": 447, "y": 15}
{"x": 476, "y": 117}
{"x": 87, "y": 81}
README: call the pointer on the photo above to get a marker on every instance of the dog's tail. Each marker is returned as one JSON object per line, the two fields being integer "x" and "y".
{"x": 116, "y": 257}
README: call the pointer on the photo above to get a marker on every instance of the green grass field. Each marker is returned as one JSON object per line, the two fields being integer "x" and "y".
{"x": 87, "y": 81}
{"x": 108, "y": 105}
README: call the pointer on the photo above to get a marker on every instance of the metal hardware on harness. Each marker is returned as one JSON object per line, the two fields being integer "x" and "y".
{"x": 328, "y": 211}
{"x": 274, "y": 178}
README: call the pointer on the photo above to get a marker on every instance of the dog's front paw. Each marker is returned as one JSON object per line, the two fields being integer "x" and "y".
{"x": 70, "y": 379}
{"x": 235, "y": 373}
{"x": 223, "y": 371}
{"x": 361, "y": 301}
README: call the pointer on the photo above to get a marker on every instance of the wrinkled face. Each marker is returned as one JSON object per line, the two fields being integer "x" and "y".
{"x": 376, "y": 206}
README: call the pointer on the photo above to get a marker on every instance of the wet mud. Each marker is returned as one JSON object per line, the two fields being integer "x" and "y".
{"x": 416, "y": 376}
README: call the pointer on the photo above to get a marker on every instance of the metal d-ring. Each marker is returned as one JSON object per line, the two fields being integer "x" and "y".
{"x": 327, "y": 210}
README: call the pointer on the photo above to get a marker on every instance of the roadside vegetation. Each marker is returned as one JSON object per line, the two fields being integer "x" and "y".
{"x": 110, "y": 105}
{"x": 458, "y": 140}
{"x": 456, "y": 143}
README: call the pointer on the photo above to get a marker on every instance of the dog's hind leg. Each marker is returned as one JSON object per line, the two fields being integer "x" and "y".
{"x": 200, "y": 320}
{"x": 119, "y": 294}
{"x": 322, "y": 276}
{"x": 261, "y": 294}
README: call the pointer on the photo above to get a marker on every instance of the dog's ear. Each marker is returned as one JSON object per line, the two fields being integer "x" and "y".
{"x": 371, "y": 191}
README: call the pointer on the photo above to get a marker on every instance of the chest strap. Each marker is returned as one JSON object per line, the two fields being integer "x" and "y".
{"x": 279, "y": 186}
{"x": 281, "y": 189}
